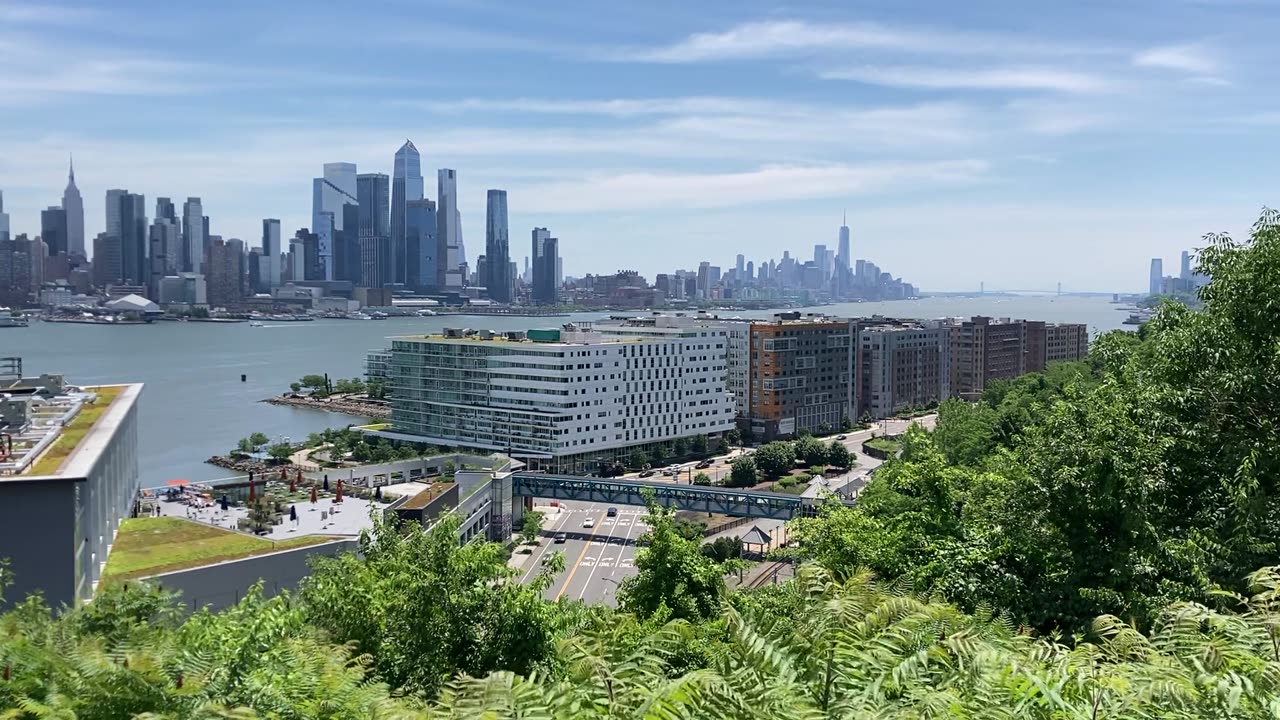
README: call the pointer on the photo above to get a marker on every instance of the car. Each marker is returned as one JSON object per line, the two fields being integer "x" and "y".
{"x": 706, "y": 464}
{"x": 560, "y": 538}
{"x": 589, "y": 523}
{"x": 842, "y": 437}
{"x": 646, "y": 473}
{"x": 612, "y": 512}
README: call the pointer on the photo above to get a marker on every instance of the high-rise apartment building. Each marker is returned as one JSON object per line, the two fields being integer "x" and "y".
{"x": 448, "y": 232}
{"x": 54, "y": 230}
{"x": 17, "y": 258}
{"x": 193, "y": 236}
{"x": 73, "y": 208}
{"x": 800, "y": 375}
{"x": 329, "y": 193}
{"x": 984, "y": 349}
{"x": 269, "y": 264}
{"x": 106, "y": 260}
{"x": 1156, "y": 283}
{"x": 165, "y": 240}
{"x": 377, "y": 251}
{"x": 900, "y": 365}
{"x": 225, "y": 279}
{"x": 497, "y": 248}
{"x": 558, "y": 399}
{"x": 407, "y": 186}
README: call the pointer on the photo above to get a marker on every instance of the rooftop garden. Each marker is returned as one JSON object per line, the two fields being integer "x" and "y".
{"x": 51, "y": 460}
{"x": 152, "y": 545}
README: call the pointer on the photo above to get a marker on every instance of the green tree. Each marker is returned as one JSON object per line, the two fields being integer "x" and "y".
{"x": 810, "y": 451}
{"x": 699, "y": 445}
{"x": 733, "y": 437}
{"x": 244, "y": 446}
{"x": 673, "y": 578}
{"x": 680, "y": 447}
{"x": 532, "y": 527}
{"x": 261, "y": 515}
{"x": 838, "y": 455}
{"x": 637, "y": 460}
{"x": 376, "y": 389}
{"x": 743, "y": 472}
{"x": 723, "y": 549}
{"x": 296, "y": 387}
{"x": 776, "y": 458}
{"x": 701, "y": 479}
{"x": 314, "y": 382}
{"x": 259, "y": 439}
{"x": 660, "y": 453}
{"x": 424, "y": 608}
{"x": 280, "y": 451}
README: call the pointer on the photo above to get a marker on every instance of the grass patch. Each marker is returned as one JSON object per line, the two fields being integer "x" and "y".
{"x": 51, "y": 461}
{"x": 888, "y": 446}
{"x": 148, "y": 546}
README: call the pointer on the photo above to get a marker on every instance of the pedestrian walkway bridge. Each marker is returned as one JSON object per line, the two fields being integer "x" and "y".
{"x": 696, "y": 498}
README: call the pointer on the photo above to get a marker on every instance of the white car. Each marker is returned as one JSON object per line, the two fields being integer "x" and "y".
{"x": 589, "y": 523}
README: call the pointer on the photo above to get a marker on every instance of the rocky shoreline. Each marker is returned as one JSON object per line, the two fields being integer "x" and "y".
{"x": 257, "y": 467}
{"x": 346, "y": 405}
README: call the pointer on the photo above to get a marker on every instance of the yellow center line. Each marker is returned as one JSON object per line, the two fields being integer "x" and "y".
{"x": 595, "y": 528}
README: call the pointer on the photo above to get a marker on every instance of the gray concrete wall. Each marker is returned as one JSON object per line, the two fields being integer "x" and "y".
{"x": 223, "y": 585}
{"x": 38, "y": 538}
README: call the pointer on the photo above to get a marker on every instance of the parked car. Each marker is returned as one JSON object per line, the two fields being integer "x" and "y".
{"x": 560, "y": 538}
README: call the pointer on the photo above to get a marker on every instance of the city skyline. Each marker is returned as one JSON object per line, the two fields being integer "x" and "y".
{"x": 966, "y": 149}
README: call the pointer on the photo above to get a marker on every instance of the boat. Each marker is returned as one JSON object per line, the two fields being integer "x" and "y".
{"x": 256, "y": 323}
{"x": 1138, "y": 318}
{"x": 358, "y": 316}
{"x": 12, "y": 318}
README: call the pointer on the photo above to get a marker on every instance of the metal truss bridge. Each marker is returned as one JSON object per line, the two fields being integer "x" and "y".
{"x": 697, "y": 498}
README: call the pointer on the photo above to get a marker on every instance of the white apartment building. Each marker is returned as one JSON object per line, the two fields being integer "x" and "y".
{"x": 559, "y": 399}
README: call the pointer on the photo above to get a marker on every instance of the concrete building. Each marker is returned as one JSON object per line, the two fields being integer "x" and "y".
{"x": 226, "y": 273}
{"x": 985, "y": 349}
{"x": 1066, "y": 342}
{"x": 184, "y": 289}
{"x": 496, "y": 279}
{"x": 106, "y": 260}
{"x": 17, "y": 257}
{"x": 563, "y": 400}
{"x": 901, "y": 365}
{"x": 127, "y": 221}
{"x": 449, "y": 257}
{"x": 800, "y": 375}
{"x": 421, "y": 246}
{"x": 269, "y": 263}
{"x": 1156, "y": 280}
{"x": 546, "y": 291}
{"x": 53, "y": 230}
{"x": 59, "y": 518}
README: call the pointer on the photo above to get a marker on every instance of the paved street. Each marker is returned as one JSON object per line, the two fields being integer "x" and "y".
{"x": 596, "y": 558}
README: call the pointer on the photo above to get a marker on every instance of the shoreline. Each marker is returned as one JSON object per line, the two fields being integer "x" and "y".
{"x": 342, "y": 406}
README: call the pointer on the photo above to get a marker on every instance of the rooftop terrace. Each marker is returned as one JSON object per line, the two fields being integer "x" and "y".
{"x": 42, "y": 422}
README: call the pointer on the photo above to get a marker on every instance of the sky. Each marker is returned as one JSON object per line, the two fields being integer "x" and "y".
{"x": 1020, "y": 144}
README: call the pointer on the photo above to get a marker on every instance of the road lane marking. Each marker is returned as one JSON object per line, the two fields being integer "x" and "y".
{"x": 591, "y": 574}
{"x": 537, "y": 561}
{"x": 621, "y": 560}
{"x": 585, "y": 547}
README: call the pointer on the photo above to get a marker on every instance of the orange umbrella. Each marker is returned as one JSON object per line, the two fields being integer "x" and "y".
{"x": 338, "y": 495}
{"x": 253, "y": 491}
{"x": 292, "y": 487}
{"x": 299, "y": 475}
{"x": 313, "y": 494}
{"x": 284, "y": 473}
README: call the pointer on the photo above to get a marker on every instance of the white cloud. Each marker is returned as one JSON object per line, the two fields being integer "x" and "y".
{"x": 792, "y": 37}
{"x": 1190, "y": 59}
{"x": 772, "y": 185}
{"x": 996, "y": 78}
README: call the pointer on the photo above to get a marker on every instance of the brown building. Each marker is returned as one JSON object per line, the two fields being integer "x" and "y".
{"x": 225, "y": 276}
{"x": 800, "y": 371}
{"x": 985, "y": 349}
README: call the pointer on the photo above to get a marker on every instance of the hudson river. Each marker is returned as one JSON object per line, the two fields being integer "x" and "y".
{"x": 195, "y": 405}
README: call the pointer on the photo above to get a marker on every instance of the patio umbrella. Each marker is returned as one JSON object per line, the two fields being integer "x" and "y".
{"x": 326, "y": 483}
{"x": 293, "y": 513}
{"x": 253, "y": 491}
{"x": 224, "y": 502}
{"x": 299, "y": 476}
{"x": 313, "y": 494}
{"x": 377, "y": 493}
{"x": 284, "y": 473}
{"x": 338, "y": 496}
{"x": 292, "y": 487}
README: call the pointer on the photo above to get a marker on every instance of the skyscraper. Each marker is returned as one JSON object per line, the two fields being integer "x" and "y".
{"x": 421, "y": 247}
{"x": 269, "y": 263}
{"x": 1185, "y": 271}
{"x": 73, "y": 207}
{"x": 127, "y": 221}
{"x": 1156, "y": 284}
{"x": 407, "y": 186}
{"x": 448, "y": 232}
{"x": 193, "y": 235}
{"x": 165, "y": 210}
{"x": 497, "y": 248}
{"x": 377, "y": 259}
{"x": 739, "y": 267}
{"x": 328, "y": 195}
{"x": 54, "y": 230}
{"x": 842, "y": 252}
{"x": 165, "y": 241}
{"x": 4, "y": 220}
{"x": 544, "y": 270}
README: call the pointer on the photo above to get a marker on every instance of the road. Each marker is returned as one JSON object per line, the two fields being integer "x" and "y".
{"x": 597, "y": 558}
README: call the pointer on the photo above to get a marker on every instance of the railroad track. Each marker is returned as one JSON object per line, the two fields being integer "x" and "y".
{"x": 767, "y": 576}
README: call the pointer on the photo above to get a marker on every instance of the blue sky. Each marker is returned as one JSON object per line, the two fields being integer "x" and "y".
{"x": 1021, "y": 144}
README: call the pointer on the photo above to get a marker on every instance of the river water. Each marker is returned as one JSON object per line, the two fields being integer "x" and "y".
{"x": 195, "y": 404}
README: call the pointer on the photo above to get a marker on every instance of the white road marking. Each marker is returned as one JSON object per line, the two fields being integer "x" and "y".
{"x": 536, "y": 561}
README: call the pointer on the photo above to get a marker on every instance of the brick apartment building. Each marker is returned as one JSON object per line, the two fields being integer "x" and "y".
{"x": 799, "y": 375}
{"x": 984, "y": 349}
{"x": 900, "y": 365}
